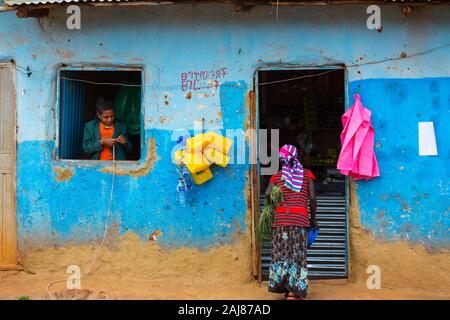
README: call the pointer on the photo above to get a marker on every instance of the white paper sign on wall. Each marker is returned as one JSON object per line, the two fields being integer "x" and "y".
{"x": 427, "y": 139}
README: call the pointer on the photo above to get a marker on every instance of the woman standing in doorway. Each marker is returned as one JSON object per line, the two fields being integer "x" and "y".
{"x": 289, "y": 270}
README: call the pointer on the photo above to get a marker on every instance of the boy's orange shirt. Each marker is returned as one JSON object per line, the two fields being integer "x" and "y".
{"x": 106, "y": 153}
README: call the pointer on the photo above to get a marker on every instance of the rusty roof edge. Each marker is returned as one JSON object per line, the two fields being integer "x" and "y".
{"x": 12, "y": 5}
{"x": 45, "y": 4}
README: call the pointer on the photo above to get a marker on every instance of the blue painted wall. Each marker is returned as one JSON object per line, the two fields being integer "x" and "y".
{"x": 411, "y": 199}
{"x": 167, "y": 41}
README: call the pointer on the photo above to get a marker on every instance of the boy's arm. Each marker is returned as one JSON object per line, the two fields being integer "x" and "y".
{"x": 127, "y": 145}
{"x": 89, "y": 144}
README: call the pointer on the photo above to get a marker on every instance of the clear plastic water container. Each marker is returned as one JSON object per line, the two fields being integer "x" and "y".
{"x": 181, "y": 193}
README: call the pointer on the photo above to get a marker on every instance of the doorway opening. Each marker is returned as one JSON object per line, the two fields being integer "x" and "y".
{"x": 306, "y": 106}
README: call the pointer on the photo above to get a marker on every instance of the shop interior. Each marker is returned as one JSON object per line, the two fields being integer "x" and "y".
{"x": 306, "y": 106}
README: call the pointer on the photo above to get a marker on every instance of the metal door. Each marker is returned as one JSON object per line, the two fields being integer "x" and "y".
{"x": 8, "y": 225}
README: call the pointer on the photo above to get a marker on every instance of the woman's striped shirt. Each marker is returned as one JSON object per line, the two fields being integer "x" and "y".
{"x": 294, "y": 211}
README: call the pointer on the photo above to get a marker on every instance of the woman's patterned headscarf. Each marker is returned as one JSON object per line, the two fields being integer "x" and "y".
{"x": 292, "y": 170}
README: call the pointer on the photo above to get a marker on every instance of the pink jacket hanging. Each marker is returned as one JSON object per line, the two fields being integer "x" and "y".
{"x": 357, "y": 157}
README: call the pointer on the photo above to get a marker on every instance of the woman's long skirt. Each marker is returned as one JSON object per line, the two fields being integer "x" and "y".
{"x": 289, "y": 268}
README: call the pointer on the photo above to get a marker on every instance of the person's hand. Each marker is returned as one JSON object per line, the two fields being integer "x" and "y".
{"x": 121, "y": 139}
{"x": 107, "y": 142}
{"x": 313, "y": 224}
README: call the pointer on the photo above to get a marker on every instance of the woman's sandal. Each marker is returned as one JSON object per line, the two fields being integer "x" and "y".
{"x": 291, "y": 296}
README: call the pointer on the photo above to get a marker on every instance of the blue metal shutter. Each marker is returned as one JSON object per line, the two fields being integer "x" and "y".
{"x": 327, "y": 258}
{"x": 72, "y": 107}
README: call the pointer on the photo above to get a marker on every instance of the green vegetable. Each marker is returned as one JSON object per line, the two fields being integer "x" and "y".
{"x": 24, "y": 298}
{"x": 264, "y": 226}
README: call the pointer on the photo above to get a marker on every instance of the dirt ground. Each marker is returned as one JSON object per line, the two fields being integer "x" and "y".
{"x": 15, "y": 285}
{"x": 129, "y": 268}
{"x": 133, "y": 269}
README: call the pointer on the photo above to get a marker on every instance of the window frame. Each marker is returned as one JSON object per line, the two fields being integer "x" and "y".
{"x": 57, "y": 112}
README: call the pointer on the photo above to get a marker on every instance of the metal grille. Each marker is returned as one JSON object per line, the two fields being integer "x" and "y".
{"x": 327, "y": 258}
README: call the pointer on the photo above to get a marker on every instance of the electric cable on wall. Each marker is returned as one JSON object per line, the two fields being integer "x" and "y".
{"x": 105, "y": 231}
{"x": 28, "y": 72}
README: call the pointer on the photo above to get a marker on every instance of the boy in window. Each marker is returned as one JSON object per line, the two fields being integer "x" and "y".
{"x": 102, "y": 133}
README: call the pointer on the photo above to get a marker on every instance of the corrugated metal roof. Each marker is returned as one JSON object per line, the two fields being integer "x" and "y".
{"x": 32, "y": 2}
{"x": 46, "y": 2}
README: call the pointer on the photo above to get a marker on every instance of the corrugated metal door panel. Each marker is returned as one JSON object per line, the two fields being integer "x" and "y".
{"x": 327, "y": 258}
{"x": 8, "y": 225}
{"x": 71, "y": 118}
